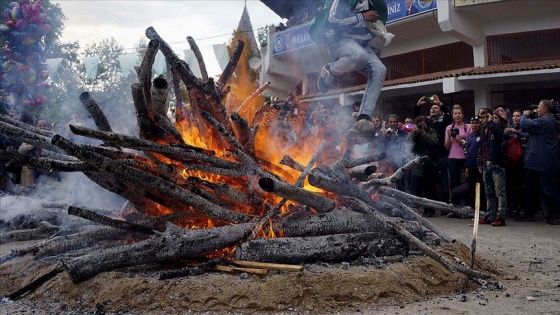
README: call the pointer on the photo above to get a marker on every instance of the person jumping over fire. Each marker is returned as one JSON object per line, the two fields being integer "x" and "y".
{"x": 347, "y": 28}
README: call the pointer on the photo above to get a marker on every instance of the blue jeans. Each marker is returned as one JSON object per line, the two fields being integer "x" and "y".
{"x": 495, "y": 187}
{"x": 349, "y": 55}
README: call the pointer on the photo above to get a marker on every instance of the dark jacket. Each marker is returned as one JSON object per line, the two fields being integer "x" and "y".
{"x": 424, "y": 144}
{"x": 493, "y": 136}
{"x": 541, "y": 152}
{"x": 439, "y": 126}
{"x": 472, "y": 150}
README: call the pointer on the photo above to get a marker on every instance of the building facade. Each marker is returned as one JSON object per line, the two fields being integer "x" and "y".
{"x": 477, "y": 53}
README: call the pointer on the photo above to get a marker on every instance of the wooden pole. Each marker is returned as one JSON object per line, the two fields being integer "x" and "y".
{"x": 475, "y": 230}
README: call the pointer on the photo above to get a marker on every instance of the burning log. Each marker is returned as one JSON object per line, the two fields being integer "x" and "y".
{"x": 241, "y": 127}
{"x": 165, "y": 124}
{"x": 44, "y": 230}
{"x": 350, "y": 163}
{"x": 150, "y": 181}
{"x": 288, "y": 161}
{"x": 362, "y": 172}
{"x": 327, "y": 248}
{"x": 253, "y": 96}
{"x": 398, "y": 174}
{"x": 188, "y": 152}
{"x": 317, "y": 202}
{"x": 228, "y": 191}
{"x": 172, "y": 244}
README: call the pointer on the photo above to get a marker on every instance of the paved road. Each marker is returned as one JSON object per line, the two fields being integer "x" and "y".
{"x": 531, "y": 252}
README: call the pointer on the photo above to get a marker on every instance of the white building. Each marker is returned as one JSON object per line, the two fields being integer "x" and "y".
{"x": 478, "y": 53}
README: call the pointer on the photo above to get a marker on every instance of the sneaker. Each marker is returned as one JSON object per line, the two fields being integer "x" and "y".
{"x": 326, "y": 79}
{"x": 499, "y": 222}
{"x": 484, "y": 221}
{"x": 364, "y": 128}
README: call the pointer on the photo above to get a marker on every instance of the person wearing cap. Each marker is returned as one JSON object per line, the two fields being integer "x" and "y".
{"x": 492, "y": 165}
{"x": 472, "y": 173}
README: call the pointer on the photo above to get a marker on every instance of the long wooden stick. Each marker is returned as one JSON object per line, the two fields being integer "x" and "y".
{"x": 269, "y": 266}
{"x": 475, "y": 231}
{"x": 255, "y": 271}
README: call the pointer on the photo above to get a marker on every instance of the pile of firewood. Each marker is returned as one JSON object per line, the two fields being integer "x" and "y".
{"x": 216, "y": 201}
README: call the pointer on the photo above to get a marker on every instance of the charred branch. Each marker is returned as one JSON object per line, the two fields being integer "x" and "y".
{"x": 89, "y": 214}
{"x": 340, "y": 221}
{"x": 198, "y": 56}
{"x": 241, "y": 127}
{"x": 24, "y": 135}
{"x": 159, "y": 93}
{"x": 288, "y": 161}
{"x": 14, "y": 122}
{"x": 150, "y": 181}
{"x": 253, "y": 96}
{"x": 185, "y": 151}
{"x": 169, "y": 127}
{"x": 181, "y": 67}
{"x": 362, "y": 172}
{"x": 317, "y": 202}
{"x": 327, "y": 248}
{"x": 414, "y": 216}
{"x": 398, "y": 174}
{"x": 365, "y": 160}
{"x": 141, "y": 90}
{"x": 428, "y": 251}
{"x": 145, "y": 123}
{"x": 424, "y": 202}
{"x": 232, "y": 64}
{"x": 95, "y": 112}
{"x": 173, "y": 243}
{"x": 44, "y": 230}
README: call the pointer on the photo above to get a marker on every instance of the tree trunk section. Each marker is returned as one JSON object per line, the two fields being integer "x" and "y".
{"x": 326, "y": 248}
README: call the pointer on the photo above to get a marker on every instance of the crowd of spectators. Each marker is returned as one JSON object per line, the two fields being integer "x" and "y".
{"x": 513, "y": 154}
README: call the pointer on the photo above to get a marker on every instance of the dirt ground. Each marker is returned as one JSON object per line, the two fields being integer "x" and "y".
{"x": 525, "y": 257}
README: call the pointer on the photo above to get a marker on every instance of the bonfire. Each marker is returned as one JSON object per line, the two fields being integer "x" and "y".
{"x": 205, "y": 191}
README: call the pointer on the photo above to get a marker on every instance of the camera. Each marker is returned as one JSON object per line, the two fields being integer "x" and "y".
{"x": 428, "y": 100}
{"x": 454, "y": 132}
{"x": 390, "y": 131}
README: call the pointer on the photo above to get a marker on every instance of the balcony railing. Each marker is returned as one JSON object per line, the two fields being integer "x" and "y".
{"x": 441, "y": 58}
{"x": 527, "y": 46}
